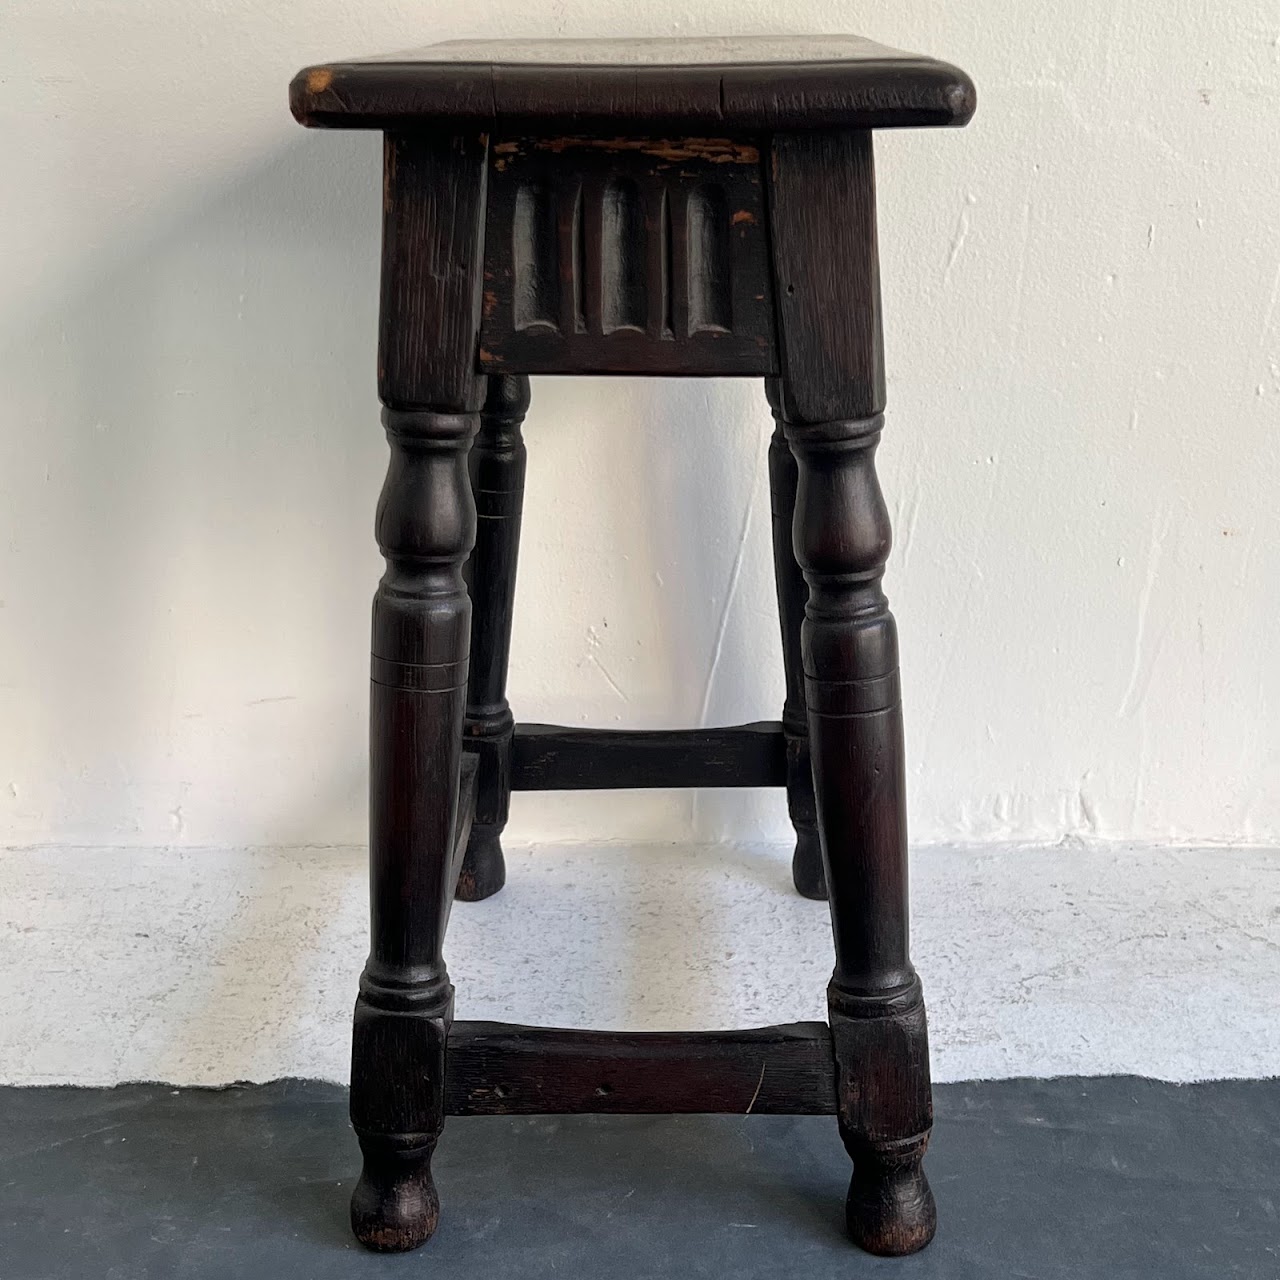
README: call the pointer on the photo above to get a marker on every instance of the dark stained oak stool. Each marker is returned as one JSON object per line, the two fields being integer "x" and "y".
{"x": 701, "y": 207}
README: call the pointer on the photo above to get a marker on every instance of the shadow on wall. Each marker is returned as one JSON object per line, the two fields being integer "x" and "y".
{"x": 195, "y": 463}
{"x": 192, "y": 505}
{"x": 196, "y": 459}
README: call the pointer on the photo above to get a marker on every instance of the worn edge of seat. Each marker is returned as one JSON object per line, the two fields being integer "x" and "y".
{"x": 873, "y": 94}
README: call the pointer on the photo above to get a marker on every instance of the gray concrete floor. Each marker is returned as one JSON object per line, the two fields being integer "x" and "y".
{"x": 1112, "y": 1177}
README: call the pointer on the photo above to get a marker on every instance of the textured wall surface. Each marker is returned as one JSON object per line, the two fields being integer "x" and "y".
{"x": 1082, "y": 459}
{"x": 1082, "y": 452}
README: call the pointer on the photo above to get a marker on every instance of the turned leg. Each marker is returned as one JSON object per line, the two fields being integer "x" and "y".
{"x": 855, "y": 734}
{"x": 421, "y": 623}
{"x": 497, "y": 480}
{"x": 831, "y": 398}
{"x": 806, "y": 864}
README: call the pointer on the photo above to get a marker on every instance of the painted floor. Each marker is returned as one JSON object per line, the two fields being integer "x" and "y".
{"x": 1110, "y": 1178}
{"x": 206, "y": 966}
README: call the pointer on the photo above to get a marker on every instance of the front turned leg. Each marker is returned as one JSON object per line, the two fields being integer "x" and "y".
{"x": 497, "y": 480}
{"x": 855, "y": 737}
{"x": 831, "y": 401}
{"x": 421, "y": 621}
{"x": 425, "y": 527}
{"x": 807, "y": 873}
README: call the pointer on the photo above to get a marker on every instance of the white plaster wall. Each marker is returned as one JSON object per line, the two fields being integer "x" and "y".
{"x": 1082, "y": 457}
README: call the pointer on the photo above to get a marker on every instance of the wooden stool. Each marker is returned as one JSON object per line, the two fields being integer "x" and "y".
{"x": 699, "y": 207}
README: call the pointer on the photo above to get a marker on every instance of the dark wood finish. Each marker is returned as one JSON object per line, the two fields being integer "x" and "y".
{"x": 497, "y": 466}
{"x": 658, "y": 207}
{"x": 421, "y": 631}
{"x": 807, "y": 873}
{"x": 468, "y": 787}
{"x": 624, "y": 255}
{"x": 547, "y": 757}
{"x": 823, "y": 233}
{"x": 497, "y": 1068}
{"x": 735, "y": 83}
{"x": 432, "y": 248}
{"x": 822, "y": 202}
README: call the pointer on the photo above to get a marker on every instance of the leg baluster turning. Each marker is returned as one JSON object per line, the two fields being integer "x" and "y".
{"x": 426, "y": 526}
{"x": 497, "y": 480}
{"x": 421, "y": 620}
{"x": 830, "y": 400}
{"x": 855, "y": 735}
{"x": 806, "y": 864}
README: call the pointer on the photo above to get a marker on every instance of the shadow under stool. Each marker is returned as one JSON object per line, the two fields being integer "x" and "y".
{"x": 660, "y": 207}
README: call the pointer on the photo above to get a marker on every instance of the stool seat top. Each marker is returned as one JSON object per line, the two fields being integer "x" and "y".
{"x": 724, "y": 83}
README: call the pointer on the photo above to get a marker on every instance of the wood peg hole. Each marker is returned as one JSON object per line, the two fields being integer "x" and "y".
{"x": 604, "y": 1090}
{"x": 503, "y": 1090}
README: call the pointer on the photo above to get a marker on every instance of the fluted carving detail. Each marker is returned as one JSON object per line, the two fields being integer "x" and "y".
{"x": 535, "y": 258}
{"x": 630, "y": 295}
{"x": 709, "y": 283}
{"x": 623, "y": 242}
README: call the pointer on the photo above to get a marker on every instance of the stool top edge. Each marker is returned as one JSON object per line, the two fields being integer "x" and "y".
{"x": 779, "y": 82}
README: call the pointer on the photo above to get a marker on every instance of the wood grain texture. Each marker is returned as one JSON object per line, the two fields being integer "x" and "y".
{"x": 397, "y": 1111}
{"x": 549, "y": 757}
{"x": 432, "y": 237}
{"x": 742, "y": 83}
{"x": 822, "y": 220}
{"x": 626, "y": 255}
{"x": 885, "y": 1112}
{"x": 468, "y": 789}
{"x": 504, "y": 1069}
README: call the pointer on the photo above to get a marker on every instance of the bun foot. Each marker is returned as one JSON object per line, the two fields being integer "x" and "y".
{"x": 394, "y": 1207}
{"x": 890, "y": 1209}
{"x": 484, "y": 871}
{"x": 807, "y": 872}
